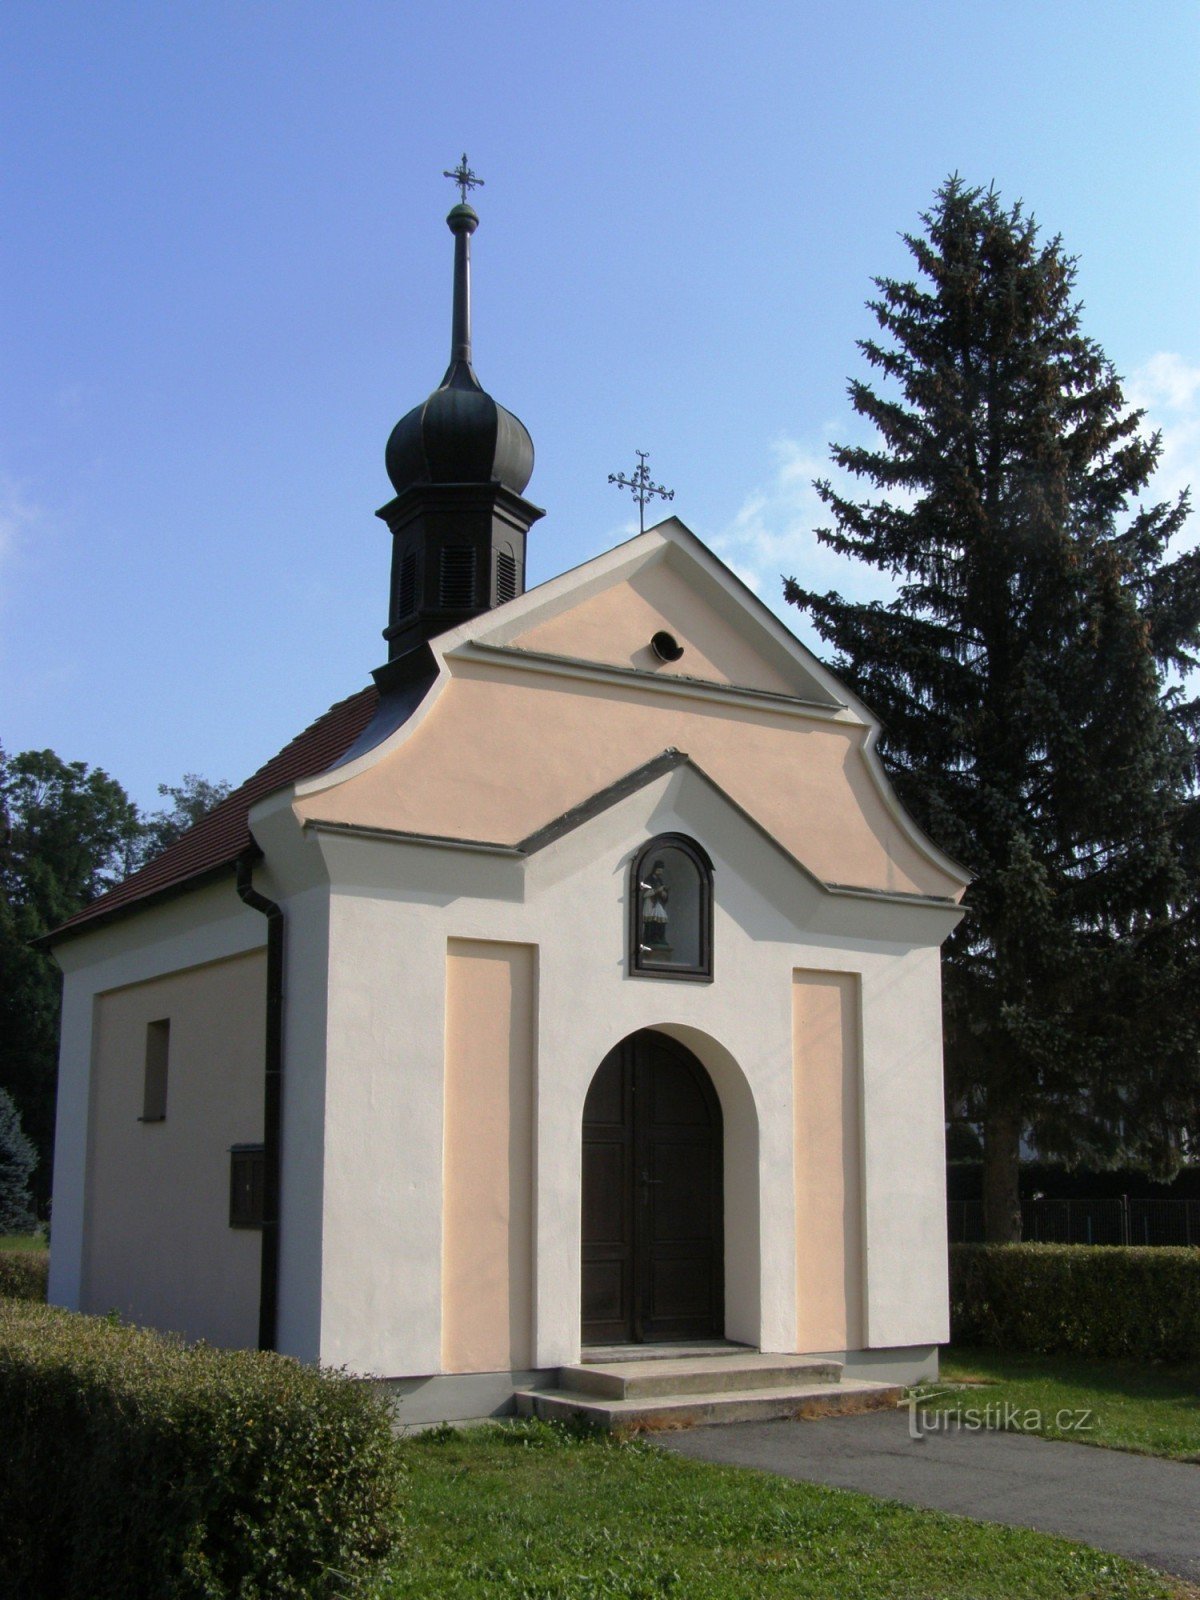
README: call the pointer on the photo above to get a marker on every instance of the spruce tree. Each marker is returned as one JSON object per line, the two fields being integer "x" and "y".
{"x": 1023, "y": 676}
{"x": 17, "y": 1161}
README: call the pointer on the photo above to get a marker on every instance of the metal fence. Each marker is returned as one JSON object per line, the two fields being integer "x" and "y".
{"x": 1110, "y": 1221}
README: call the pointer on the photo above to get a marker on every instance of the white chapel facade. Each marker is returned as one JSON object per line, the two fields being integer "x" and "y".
{"x": 576, "y": 983}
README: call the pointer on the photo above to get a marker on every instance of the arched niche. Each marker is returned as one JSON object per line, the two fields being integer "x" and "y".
{"x": 671, "y": 910}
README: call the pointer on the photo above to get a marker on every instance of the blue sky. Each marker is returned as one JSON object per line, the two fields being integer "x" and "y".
{"x": 225, "y": 274}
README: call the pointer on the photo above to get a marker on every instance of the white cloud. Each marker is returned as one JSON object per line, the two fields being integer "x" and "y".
{"x": 1167, "y": 388}
{"x": 1167, "y": 379}
{"x": 773, "y": 534}
{"x": 17, "y": 515}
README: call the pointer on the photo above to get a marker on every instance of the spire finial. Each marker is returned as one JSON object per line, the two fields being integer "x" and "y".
{"x": 462, "y": 223}
{"x": 641, "y": 486}
{"x": 464, "y": 178}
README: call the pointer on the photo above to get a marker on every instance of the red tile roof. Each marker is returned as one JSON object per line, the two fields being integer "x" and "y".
{"x": 219, "y": 838}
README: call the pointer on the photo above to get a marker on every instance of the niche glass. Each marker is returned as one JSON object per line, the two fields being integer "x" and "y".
{"x": 671, "y": 921}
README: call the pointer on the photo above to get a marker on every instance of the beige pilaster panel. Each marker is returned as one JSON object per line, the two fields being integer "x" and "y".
{"x": 487, "y": 1237}
{"x": 826, "y": 1075}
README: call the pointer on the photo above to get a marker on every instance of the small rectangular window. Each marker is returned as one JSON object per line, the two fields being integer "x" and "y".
{"x": 246, "y": 1175}
{"x": 154, "y": 1083}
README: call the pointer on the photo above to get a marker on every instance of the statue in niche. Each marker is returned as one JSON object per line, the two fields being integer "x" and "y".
{"x": 656, "y": 894}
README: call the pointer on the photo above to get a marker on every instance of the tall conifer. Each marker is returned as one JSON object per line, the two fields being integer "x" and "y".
{"x": 17, "y": 1160}
{"x": 1023, "y": 677}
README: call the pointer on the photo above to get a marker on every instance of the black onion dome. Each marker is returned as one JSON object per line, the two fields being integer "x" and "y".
{"x": 459, "y": 435}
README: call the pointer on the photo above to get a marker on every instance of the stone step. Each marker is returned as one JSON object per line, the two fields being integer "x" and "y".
{"x": 606, "y": 1355}
{"x": 711, "y": 1409}
{"x": 701, "y": 1374}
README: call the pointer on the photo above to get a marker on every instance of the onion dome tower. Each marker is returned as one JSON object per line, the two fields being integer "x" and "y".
{"x": 459, "y": 464}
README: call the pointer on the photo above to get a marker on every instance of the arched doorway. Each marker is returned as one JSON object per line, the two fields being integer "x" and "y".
{"x": 653, "y": 1198}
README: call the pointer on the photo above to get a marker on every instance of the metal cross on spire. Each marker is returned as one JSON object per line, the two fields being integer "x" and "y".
{"x": 641, "y": 486}
{"x": 464, "y": 178}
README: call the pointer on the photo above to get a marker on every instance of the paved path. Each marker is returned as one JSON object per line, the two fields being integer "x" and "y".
{"x": 1137, "y": 1506}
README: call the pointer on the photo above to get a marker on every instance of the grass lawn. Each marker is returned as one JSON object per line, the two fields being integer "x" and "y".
{"x": 1154, "y": 1410}
{"x": 22, "y": 1241}
{"x": 535, "y": 1512}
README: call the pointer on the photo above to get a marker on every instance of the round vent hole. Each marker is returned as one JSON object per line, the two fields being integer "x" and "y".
{"x": 666, "y": 646}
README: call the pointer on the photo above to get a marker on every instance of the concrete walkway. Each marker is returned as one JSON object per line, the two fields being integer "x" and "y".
{"x": 1137, "y": 1506}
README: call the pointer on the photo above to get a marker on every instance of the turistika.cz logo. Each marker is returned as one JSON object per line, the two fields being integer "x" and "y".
{"x": 996, "y": 1416}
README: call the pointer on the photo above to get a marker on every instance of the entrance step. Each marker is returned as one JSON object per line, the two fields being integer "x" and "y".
{"x": 695, "y": 1374}
{"x": 672, "y": 1390}
{"x": 708, "y": 1409}
{"x": 603, "y": 1355}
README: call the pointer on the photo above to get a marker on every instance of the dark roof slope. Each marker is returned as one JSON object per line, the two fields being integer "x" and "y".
{"x": 217, "y": 840}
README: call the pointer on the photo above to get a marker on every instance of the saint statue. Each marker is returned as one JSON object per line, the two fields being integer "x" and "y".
{"x": 655, "y": 895}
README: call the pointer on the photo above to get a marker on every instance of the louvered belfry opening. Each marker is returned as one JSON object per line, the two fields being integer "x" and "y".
{"x": 459, "y": 463}
{"x": 406, "y": 583}
{"x": 456, "y": 586}
{"x": 506, "y": 575}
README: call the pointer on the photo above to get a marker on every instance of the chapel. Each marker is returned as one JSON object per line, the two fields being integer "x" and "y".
{"x": 566, "y": 996}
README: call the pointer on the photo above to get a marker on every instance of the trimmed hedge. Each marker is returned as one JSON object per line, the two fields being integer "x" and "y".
{"x": 1089, "y": 1300}
{"x": 23, "y": 1274}
{"x": 136, "y": 1467}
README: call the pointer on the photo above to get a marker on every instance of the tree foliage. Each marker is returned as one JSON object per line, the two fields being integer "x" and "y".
{"x": 17, "y": 1161}
{"x": 68, "y": 833}
{"x": 192, "y": 798}
{"x": 1027, "y": 678}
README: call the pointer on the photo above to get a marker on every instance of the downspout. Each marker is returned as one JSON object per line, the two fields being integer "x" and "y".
{"x": 268, "y": 1294}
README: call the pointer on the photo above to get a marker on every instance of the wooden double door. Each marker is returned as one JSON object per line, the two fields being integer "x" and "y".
{"x": 653, "y": 1201}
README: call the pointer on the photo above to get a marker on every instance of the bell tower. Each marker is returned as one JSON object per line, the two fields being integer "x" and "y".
{"x": 459, "y": 463}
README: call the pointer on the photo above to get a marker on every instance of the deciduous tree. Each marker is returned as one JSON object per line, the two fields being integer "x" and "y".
{"x": 192, "y": 798}
{"x": 66, "y": 833}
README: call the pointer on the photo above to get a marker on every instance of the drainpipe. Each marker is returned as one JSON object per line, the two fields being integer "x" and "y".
{"x": 268, "y": 1294}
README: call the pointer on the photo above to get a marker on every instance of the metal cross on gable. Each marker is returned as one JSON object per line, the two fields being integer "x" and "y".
{"x": 641, "y": 486}
{"x": 464, "y": 178}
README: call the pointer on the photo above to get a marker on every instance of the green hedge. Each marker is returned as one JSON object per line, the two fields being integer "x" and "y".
{"x": 23, "y": 1274}
{"x": 136, "y": 1467}
{"x": 1092, "y": 1300}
